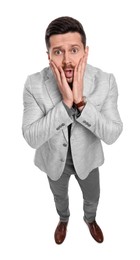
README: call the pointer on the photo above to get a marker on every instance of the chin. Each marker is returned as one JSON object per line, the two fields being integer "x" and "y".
{"x": 69, "y": 80}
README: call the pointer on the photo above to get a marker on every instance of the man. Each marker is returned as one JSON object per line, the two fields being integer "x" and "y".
{"x": 69, "y": 108}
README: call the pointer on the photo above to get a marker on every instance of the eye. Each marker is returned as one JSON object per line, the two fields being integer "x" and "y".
{"x": 74, "y": 50}
{"x": 57, "y": 52}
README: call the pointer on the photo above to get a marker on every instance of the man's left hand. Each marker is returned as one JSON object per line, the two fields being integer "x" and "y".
{"x": 78, "y": 79}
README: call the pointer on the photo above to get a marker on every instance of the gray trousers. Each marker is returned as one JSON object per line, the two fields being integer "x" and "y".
{"x": 90, "y": 188}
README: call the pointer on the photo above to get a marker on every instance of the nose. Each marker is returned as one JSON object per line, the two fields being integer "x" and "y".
{"x": 66, "y": 58}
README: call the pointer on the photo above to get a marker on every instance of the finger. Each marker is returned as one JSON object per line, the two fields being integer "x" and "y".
{"x": 84, "y": 62}
{"x": 80, "y": 68}
{"x": 54, "y": 67}
{"x": 62, "y": 74}
{"x": 55, "y": 71}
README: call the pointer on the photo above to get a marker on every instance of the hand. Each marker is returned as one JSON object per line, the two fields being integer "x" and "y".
{"x": 63, "y": 85}
{"x": 78, "y": 79}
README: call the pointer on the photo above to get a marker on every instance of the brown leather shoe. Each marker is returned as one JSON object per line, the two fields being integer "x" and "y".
{"x": 60, "y": 232}
{"x": 95, "y": 231}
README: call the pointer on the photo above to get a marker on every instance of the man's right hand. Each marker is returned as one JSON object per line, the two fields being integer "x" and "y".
{"x": 63, "y": 85}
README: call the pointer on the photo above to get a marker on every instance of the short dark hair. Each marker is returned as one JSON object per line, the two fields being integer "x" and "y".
{"x": 62, "y": 25}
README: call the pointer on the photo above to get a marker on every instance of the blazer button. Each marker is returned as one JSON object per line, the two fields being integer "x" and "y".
{"x": 65, "y": 145}
{"x": 62, "y": 160}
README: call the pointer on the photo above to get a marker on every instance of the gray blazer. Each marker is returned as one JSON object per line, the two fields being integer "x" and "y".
{"x": 45, "y": 122}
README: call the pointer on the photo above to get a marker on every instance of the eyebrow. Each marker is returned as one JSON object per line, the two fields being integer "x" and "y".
{"x": 61, "y": 47}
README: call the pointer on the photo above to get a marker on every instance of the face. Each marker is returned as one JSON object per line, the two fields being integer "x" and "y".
{"x": 65, "y": 51}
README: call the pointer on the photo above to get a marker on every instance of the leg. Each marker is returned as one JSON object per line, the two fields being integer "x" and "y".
{"x": 59, "y": 189}
{"x": 91, "y": 191}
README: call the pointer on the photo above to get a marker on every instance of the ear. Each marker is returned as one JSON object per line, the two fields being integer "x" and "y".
{"x": 86, "y": 50}
{"x": 48, "y": 55}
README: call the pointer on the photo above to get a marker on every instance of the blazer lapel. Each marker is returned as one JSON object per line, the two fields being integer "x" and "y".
{"x": 52, "y": 87}
{"x": 89, "y": 82}
{"x": 54, "y": 93}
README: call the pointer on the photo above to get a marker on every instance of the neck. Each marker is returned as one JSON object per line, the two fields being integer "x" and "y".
{"x": 71, "y": 85}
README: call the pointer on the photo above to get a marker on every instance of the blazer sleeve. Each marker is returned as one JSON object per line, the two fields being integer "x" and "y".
{"x": 39, "y": 126}
{"x": 106, "y": 123}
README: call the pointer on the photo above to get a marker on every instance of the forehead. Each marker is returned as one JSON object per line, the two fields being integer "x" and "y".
{"x": 67, "y": 39}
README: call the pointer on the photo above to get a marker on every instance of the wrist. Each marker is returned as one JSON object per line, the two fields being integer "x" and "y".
{"x": 80, "y": 105}
{"x": 68, "y": 103}
{"x": 77, "y": 100}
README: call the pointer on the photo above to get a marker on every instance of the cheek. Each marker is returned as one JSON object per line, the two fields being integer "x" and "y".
{"x": 56, "y": 60}
{"x": 78, "y": 58}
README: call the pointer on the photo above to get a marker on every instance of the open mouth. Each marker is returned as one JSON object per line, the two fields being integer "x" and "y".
{"x": 68, "y": 73}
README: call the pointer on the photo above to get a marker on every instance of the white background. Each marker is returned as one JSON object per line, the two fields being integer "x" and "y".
{"x": 27, "y": 213}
